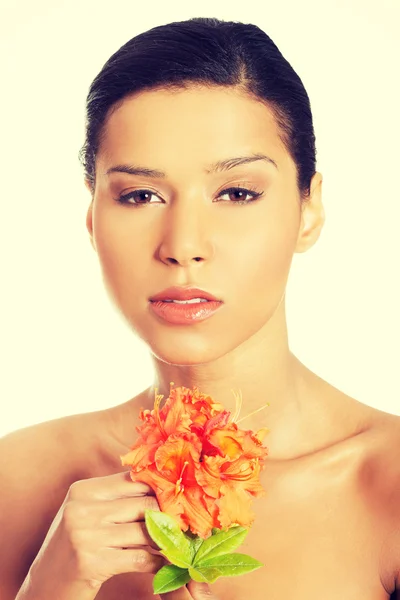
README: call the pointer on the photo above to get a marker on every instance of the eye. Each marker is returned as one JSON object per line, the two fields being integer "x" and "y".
{"x": 232, "y": 191}
{"x": 142, "y": 197}
{"x": 139, "y": 197}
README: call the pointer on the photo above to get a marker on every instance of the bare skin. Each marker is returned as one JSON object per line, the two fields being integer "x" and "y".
{"x": 325, "y": 525}
{"x": 329, "y": 512}
{"x": 328, "y": 526}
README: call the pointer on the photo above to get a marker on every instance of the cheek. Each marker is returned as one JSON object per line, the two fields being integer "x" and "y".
{"x": 122, "y": 254}
{"x": 262, "y": 260}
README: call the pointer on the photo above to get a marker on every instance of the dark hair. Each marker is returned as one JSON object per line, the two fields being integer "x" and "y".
{"x": 205, "y": 52}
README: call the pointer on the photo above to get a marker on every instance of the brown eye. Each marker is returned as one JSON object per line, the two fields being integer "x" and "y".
{"x": 237, "y": 195}
{"x": 139, "y": 197}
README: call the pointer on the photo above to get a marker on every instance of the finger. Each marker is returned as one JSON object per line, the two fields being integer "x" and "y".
{"x": 109, "y": 487}
{"x": 134, "y": 561}
{"x": 179, "y": 594}
{"x": 119, "y": 485}
{"x": 127, "y": 536}
{"x": 193, "y": 591}
{"x": 200, "y": 591}
{"x": 124, "y": 510}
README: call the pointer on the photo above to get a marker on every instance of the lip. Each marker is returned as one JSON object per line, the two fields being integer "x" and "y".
{"x": 183, "y": 293}
{"x": 184, "y": 314}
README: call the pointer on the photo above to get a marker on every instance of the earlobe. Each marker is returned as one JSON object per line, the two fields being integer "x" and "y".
{"x": 312, "y": 217}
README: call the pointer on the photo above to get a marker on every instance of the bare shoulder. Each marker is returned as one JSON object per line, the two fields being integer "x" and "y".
{"x": 380, "y": 448}
{"x": 384, "y": 440}
{"x": 390, "y": 497}
{"x": 380, "y": 480}
{"x": 39, "y": 463}
{"x": 29, "y": 454}
{"x": 37, "y": 466}
{"x": 369, "y": 459}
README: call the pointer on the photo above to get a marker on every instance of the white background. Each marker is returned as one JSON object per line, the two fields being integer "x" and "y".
{"x": 64, "y": 349}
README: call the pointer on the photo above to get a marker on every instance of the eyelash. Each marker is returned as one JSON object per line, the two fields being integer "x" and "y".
{"x": 255, "y": 194}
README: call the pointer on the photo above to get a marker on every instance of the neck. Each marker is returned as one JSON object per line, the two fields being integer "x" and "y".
{"x": 304, "y": 413}
{"x": 266, "y": 374}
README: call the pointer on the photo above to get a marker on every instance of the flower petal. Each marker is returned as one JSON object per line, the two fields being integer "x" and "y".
{"x": 140, "y": 457}
{"x": 235, "y": 508}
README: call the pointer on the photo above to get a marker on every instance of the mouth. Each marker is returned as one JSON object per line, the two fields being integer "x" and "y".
{"x": 191, "y": 301}
{"x": 184, "y": 312}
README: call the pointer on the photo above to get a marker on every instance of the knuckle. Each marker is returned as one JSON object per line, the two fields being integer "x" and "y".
{"x": 144, "y": 561}
{"x": 74, "y": 515}
{"x": 202, "y": 591}
{"x": 69, "y": 514}
{"x": 150, "y": 502}
{"x": 140, "y": 558}
{"x": 140, "y": 487}
{"x": 77, "y": 538}
{"x": 75, "y": 489}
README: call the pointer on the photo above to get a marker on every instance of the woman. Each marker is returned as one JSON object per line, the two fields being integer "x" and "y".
{"x": 200, "y": 161}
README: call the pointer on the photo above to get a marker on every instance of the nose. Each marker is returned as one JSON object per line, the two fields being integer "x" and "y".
{"x": 186, "y": 236}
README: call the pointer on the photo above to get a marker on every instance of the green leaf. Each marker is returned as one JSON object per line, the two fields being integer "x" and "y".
{"x": 170, "y": 578}
{"x": 228, "y": 565}
{"x": 166, "y": 533}
{"x": 198, "y": 576}
{"x": 220, "y": 543}
{"x": 195, "y": 543}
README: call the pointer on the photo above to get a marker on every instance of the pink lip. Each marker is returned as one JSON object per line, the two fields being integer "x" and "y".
{"x": 185, "y": 314}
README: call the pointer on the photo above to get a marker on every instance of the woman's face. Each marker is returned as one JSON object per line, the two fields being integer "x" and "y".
{"x": 243, "y": 251}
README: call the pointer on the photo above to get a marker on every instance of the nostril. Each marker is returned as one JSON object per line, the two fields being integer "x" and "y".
{"x": 175, "y": 261}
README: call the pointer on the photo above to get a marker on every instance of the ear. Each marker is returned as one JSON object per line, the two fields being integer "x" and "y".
{"x": 89, "y": 215}
{"x": 312, "y": 216}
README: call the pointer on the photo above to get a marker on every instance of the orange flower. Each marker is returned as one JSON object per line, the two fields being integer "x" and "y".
{"x": 143, "y": 451}
{"x": 184, "y": 411}
{"x": 203, "y": 468}
{"x": 173, "y": 478}
{"x": 228, "y": 440}
{"x": 235, "y": 483}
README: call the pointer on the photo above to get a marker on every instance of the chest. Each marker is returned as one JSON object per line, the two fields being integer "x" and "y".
{"x": 314, "y": 532}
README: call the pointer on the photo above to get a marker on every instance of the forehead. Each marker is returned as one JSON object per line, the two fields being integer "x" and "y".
{"x": 191, "y": 124}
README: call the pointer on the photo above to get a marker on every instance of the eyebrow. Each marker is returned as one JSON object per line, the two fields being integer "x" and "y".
{"x": 217, "y": 167}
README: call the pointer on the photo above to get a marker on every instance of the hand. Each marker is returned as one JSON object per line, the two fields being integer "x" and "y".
{"x": 98, "y": 532}
{"x": 193, "y": 591}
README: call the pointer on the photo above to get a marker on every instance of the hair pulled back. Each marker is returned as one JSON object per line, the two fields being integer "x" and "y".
{"x": 205, "y": 52}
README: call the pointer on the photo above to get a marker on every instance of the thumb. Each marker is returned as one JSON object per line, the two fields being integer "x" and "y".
{"x": 200, "y": 591}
